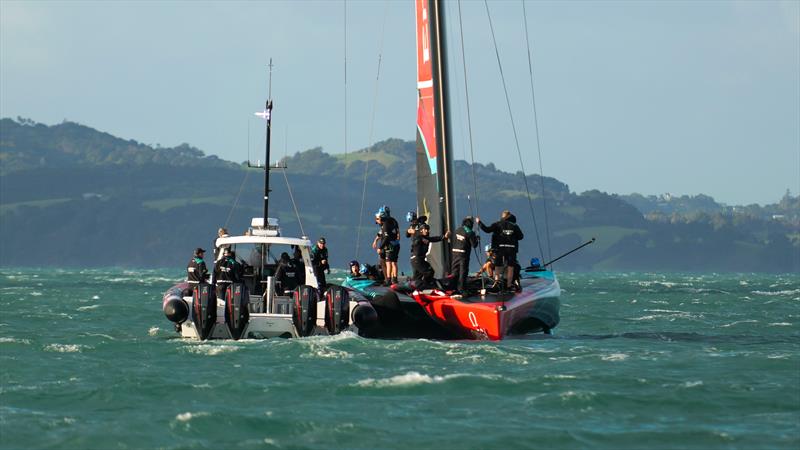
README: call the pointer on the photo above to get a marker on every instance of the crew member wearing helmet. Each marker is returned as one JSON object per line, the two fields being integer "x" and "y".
{"x": 505, "y": 241}
{"x": 389, "y": 243}
{"x": 488, "y": 266}
{"x": 355, "y": 269}
{"x": 197, "y": 272}
{"x": 319, "y": 261}
{"x": 420, "y": 243}
{"x": 462, "y": 244}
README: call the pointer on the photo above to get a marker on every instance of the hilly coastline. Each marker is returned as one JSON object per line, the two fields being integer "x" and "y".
{"x": 74, "y": 196}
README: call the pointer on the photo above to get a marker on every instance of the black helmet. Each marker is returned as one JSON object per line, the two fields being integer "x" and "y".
{"x": 467, "y": 222}
{"x": 425, "y": 226}
{"x": 199, "y": 251}
{"x": 354, "y": 263}
{"x": 284, "y": 256}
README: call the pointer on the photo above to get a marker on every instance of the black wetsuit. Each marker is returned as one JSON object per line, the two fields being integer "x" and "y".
{"x": 197, "y": 272}
{"x": 390, "y": 238}
{"x": 317, "y": 256}
{"x": 505, "y": 241}
{"x": 463, "y": 241}
{"x": 423, "y": 272}
{"x": 287, "y": 276}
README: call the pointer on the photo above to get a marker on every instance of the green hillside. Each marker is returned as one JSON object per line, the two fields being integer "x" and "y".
{"x": 74, "y": 196}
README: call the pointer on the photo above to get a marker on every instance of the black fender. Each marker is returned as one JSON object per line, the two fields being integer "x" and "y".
{"x": 365, "y": 318}
{"x": 337, "y": 309}
{"x": 204, "y": 310}
{"x": 304, "y": 310}
{"x": 237, "y": 311}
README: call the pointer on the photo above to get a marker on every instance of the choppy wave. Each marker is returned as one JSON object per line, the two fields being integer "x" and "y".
{"x": 211, "y": 349}
{"x": 416, "y": 378}
{"x": 65, "y": 348}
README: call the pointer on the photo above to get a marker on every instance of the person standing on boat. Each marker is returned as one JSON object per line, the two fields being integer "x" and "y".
{"x": 463, "y": 243}
{"x": 297, "y": 258}
{"x": 420, "y": 244}
{"x": 226, "y": 271}
{"x": 389, "y": 243}
{"x": 221, "y": 233}
{"x": 488, "y": 266}
{"x": 319, "y": 261}
{"x": 505, "y": 242}
{"x": 286, "y": 274}
{"x": 197, "y": 272}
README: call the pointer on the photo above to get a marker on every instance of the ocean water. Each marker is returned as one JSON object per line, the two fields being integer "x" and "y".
{"x": 640, "y": 360}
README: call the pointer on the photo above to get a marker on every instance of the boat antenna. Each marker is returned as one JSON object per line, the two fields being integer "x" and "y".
{"x": 267, "y": 115}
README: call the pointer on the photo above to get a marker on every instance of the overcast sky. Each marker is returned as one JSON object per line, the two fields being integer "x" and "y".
{"x": 649, "y": 97}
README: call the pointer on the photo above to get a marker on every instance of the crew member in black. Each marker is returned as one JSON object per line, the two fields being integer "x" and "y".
{"x": 286, "y": 275}
{"x": 197, "y": 272}
{"x": 505, "y": 242}
{"x": 319, "y": 261}
{"x": 389, "y": 243}
{"x": 423, "y": 272}
{"x": 355, "y": 270}
{"x": 226, "y": 271}
{"x": 463, "y": 243}
{"x": 297, "y": 258}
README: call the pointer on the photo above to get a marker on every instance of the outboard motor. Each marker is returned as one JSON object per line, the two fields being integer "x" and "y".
{"x": 174, "y": 307}
{"x": 304, "y": 310}
{"x": 204, "y": 310}
{"x": 366, "y": 319}
{"x": 337, "y": 309}
{"x": 237, "y": 311}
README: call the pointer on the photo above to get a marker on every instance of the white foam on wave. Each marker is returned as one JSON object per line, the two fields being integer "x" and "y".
{"x": 10, "y": 340}
{"x": 413, "y": 379}
{"x": 615, "y": 357}
{"x": 95, "y": 297}
{"x": 319, "y": 346}
{"x": 578, "y": 395}
{"x": 87, "y": 308}
{"x": 187, "y": 416}
{"x": 36, "y": 294}
{"x": 727, "y": 325}
{"x": 780, "y": 324}
{"x": 691, "y": 384}
{"x": 65, "y": 348}
{"x": 211, "y": 350}
{"x": 153, "y": 331}
{"x": 779, "y": 293}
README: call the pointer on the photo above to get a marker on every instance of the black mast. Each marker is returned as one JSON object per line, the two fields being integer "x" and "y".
{"x": 268, "y": 113}
{"x": 444, "y": 140}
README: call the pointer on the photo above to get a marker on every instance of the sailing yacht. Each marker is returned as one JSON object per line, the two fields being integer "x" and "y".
{"x": 404, "y": 310}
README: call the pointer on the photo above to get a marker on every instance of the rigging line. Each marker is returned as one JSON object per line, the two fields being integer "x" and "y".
{"x": 344, "y": 4}
{"x": 475, "y": 213}
{"x": 246, "y": 173}
{"x": 536, "y": 127}
{"x": 294, "y": 205}
{"x": 371, "y": 128}
{"x": 469, "y": 119}
{"x": 514, "y": 128}
{"x": 236, "y": 201}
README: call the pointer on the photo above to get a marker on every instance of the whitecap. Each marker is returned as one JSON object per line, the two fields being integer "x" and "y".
{"x": 95, "y": 297}
{"x": 691, "y": 384}
{"x": 211, "y": 350}
{"x": 86, "y": 308}
{"x": 414, "y": 379}
{"x": 36, "y": 294}
{"x": 64, "y": 348}
{"x": 577, "y": 395}
{"x": 771, "y": 293}
{"x": 738, "y": 322}
{"x": 780, "y": 324}
{"x": 615, "y": 357}
{"x": 187, "y": 416}
{"x": 153, "y": 331}
{"x": 10, "y": 340}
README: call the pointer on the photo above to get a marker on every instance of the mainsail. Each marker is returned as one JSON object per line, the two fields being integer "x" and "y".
{"x": 434, "y": 164}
